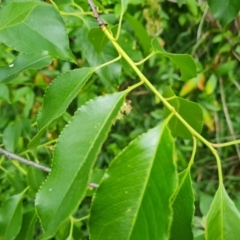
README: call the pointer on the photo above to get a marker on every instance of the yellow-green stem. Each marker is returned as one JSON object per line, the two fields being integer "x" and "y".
{"x": 165, "y": 102}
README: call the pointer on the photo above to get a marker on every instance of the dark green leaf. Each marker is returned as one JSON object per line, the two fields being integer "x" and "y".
{"x": 133, "y": 200}
{"x": 28, "y": 226}
{"x": 11, "y": 217}
{"x": 4, "y": 92}
{"x": 224, "y": 10}
{"x": 33, "y": 27}
{"x": 223, "y": 218}
{"x": 74, "y": 156}
{"x": 183, "y": 208}
{"x": 140, "y": 32}
{"x": 191, "y": 112}
{"x": 22, "y": 62}
{"x": 184, "y": 62}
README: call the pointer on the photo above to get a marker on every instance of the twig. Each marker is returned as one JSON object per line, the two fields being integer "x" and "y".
{"x": 95, "y": 13}
{"x": 11, "y": 156}
{"x": 226, "y": 113}
{"x": 201, "y": 22}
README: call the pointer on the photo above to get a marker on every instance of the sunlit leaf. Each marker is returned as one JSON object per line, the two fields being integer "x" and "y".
{"x": 223, "y": 218}
{"x": 73, "y": 159}
{"x": 133, "y": 200}
{"x": 22, "y": 62}
{"x": 184, "y": 62}
{"x": 58, "y": 96}
{"x": 33, "y": 27}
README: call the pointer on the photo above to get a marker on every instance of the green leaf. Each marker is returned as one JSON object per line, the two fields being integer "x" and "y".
{"x": 140, "y": 32}
{"x": 224, "y": 10}
{"x": 35, "y": 178}
{"x": 184, "y": 62}
{"x": 37, "y": 33}
{"x": 11, "y": 217}
{"x": 98, "y": 39}
{"x": 124, "y": 4}
{"x": 58, "y": 96}
{"x": 11, "y": 135}
{"x": 223, "y": 218}
{"x": 109, "y": 74}
{"x": 22, "y": 62}
{"x": 211, "y": 84}
{"x": 191, "y": 112}
{"x": 28, "y": 226}
{"x": 74, "y": 156}
{"x": 183, "y": 208}
{"x": 133, "y": 200}
{"x": 4, "y": 92}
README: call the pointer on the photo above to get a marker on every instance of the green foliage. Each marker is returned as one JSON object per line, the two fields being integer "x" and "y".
{"x": 98, "y": 105}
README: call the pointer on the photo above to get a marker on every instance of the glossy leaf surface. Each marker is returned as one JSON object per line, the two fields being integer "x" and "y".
{"x": 40, "y": 26}
{"x": 183, "y": 208}
{"x": 11, "y": 217}
{"x": 224, "y": 10}
{"x": 22, "y": 62}
{"x": 223, "y": 218}
{"x": 59, "y": 94}
{"x": 133, "y": 200}
{"x": 184, "y": 62}
{"x": 74, "y": 156}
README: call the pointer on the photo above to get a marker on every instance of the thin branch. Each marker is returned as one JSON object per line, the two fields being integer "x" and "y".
{"x": 201, "y": 22}
{"x": 226, "y": 113}
{"x": 13, "y": 156}
{"x": 95, "y": 14}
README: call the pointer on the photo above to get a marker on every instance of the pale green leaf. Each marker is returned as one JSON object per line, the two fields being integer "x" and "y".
{"x": 124, "y": 4}
{"x": 184, "y": 62}
{"x": 28, "y": 226}
{"x": 22, "y": 62}
{"x": 11, "y": 217}
{"x": 223, "y": 218}
{"x": 183, "y": 208}
{"x": 73, "y": 159}
{"x": 59, "y": 94}
{"x": 4, "y": 93}
{"x": 133, "y": 200}
{"x": 191, "y": 112}
{"x": 211, "y": 84}
{"x": 224, "y": 10}
{"x": 33, "y": 27}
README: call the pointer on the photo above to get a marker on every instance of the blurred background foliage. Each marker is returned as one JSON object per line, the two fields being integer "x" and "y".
{"x": 181, "y": 27}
